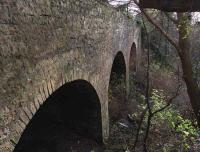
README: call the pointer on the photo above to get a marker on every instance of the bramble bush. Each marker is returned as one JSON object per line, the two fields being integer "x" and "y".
{"x": 182, "y": 128}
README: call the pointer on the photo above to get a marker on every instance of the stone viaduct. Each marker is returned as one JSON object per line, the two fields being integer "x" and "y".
{"x": 60, "y": 50}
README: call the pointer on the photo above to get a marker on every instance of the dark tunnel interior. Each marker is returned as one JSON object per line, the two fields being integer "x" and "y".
{"x": 118, "y": 67}
{"x": 71, "y": 112}
{"x": 132, "y": 60}
{"x": 117, "y": 85}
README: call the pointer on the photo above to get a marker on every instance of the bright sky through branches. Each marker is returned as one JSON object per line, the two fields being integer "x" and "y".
{"x": 132, "y": 7}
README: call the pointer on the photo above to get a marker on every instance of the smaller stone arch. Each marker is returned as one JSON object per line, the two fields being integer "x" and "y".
{"x": 117, "y": 87}
{"x": 133, "y": 59}
{"x": 71, "y": 112}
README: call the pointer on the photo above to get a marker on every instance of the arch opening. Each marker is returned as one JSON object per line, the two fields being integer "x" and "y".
{"x": 132, "y": 60}
{"x": 71, "y": 116}
{"x": 117, "y": 88}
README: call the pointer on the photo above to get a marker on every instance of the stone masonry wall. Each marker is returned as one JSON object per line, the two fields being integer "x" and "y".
{"x": 46, "y": 43}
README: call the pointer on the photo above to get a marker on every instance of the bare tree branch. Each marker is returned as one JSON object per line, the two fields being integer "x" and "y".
{"x": 167, "y": 36}
{"x": 147, "y": 89}
{"x": 150, "y": 113}
{"x": 169, "y": 101}
{"x": 142, "y": 116}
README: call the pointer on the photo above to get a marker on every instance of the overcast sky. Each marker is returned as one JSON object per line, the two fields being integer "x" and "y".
{"x": 132, "y": 7}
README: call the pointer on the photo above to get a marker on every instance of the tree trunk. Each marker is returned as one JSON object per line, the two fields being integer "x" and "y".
{"x": 184, "y": 53}
{"x": 183, "y": 49}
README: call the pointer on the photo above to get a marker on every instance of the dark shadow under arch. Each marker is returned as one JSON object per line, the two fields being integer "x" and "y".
{"x": 71, "y": 112}
{"x": 117, "y": 87}
{"x": 132, "y": 59}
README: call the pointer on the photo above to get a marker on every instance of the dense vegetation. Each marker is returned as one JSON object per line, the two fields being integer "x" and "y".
{"x": 164, "y": 116}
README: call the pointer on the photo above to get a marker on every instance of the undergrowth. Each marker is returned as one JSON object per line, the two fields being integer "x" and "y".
{"x": 170, "y": 131}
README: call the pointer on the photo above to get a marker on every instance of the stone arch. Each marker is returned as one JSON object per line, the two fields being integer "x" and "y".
{"x": 117, "y": 87}
{"x": 133, "y": 59}
{"x": 74, "y": 108}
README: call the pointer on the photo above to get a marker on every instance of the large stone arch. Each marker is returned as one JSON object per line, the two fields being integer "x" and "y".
{"x": 48, "y": 45}
{"x": 75, "y": 106}
{"x": 49, "y": 76}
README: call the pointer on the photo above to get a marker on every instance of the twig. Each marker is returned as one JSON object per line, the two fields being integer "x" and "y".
{"x": 147, "y": 89}
{"x": 167, "y": 36}
{"x": 139, "y": 127}
{"x": 150, "y": 113}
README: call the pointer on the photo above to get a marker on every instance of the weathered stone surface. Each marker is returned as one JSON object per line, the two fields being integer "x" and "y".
{"x": 44, "y": 44}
